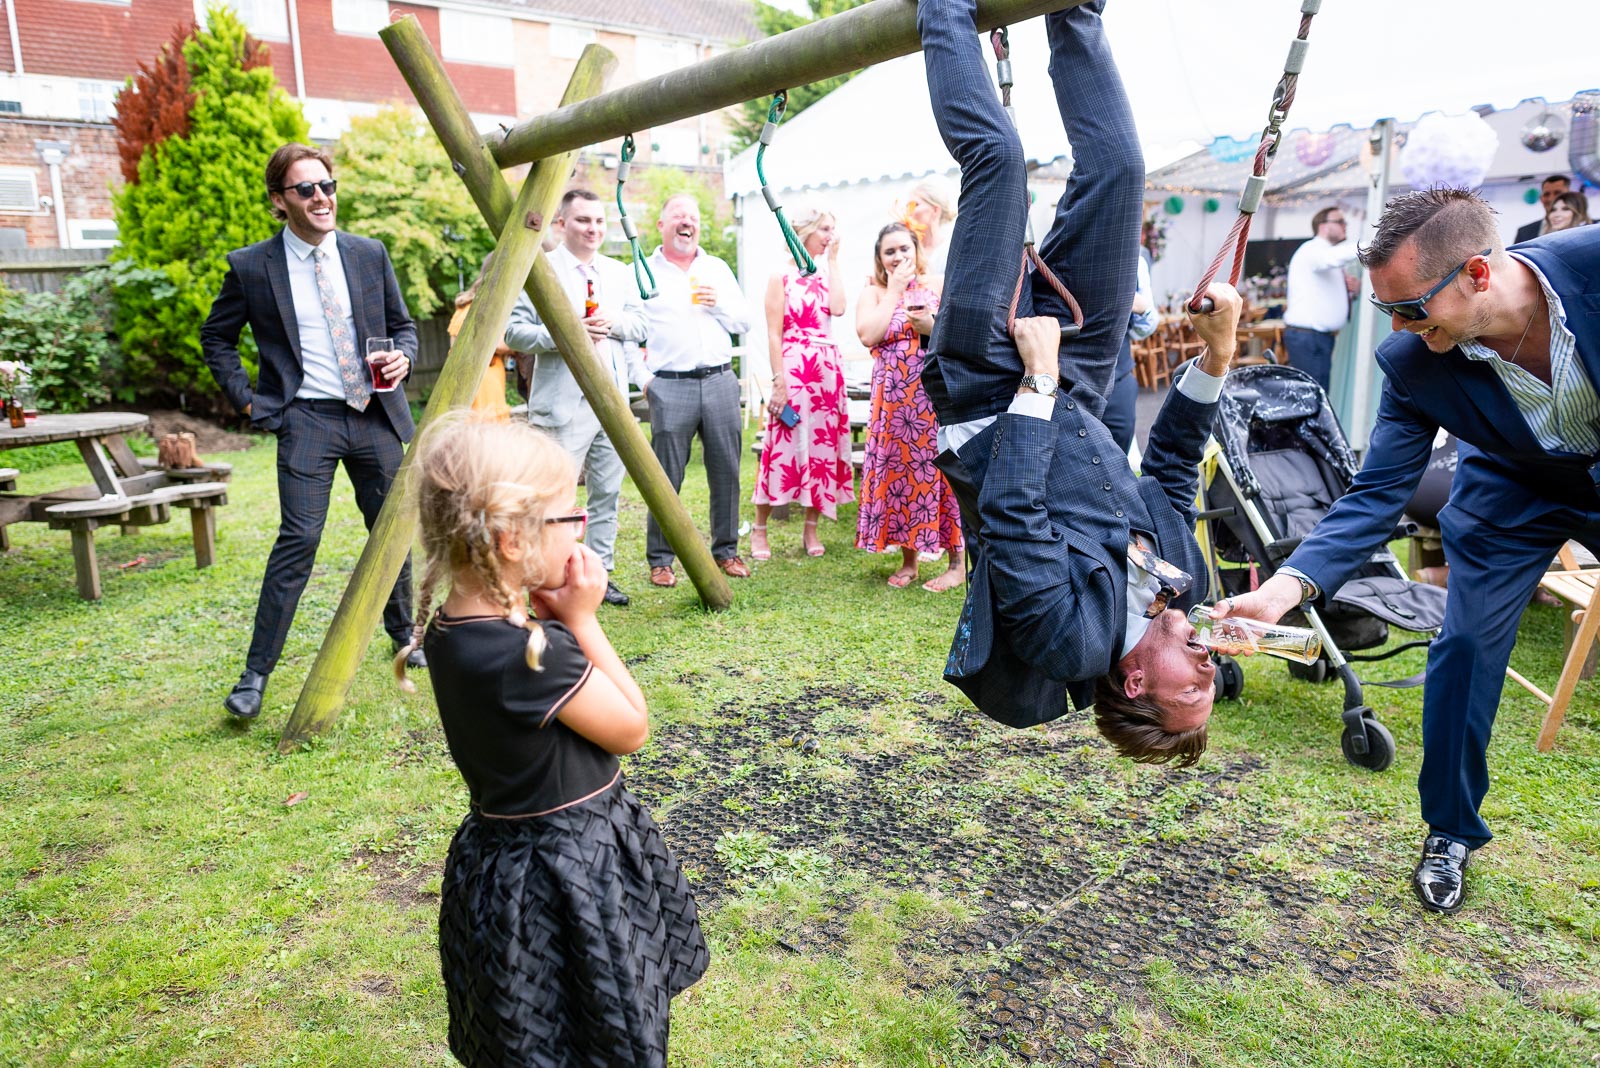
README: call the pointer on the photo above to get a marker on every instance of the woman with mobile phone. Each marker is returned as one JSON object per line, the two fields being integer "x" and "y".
{"x": 806, "y": 454}
{"x": 905, "y": 501}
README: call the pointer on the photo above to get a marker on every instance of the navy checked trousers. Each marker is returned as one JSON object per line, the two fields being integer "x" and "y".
{"x": 313, "y": 439}
{"x": 1093, "y": 243}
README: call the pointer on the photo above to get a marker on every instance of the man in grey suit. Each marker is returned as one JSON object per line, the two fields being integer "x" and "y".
{"x": 604, "y": 293}
{"x": 312, "y": 297}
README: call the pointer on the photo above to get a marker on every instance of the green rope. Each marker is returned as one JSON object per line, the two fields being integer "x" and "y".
{"x": 642, "y": 276}
{"x": 797, "y": 248}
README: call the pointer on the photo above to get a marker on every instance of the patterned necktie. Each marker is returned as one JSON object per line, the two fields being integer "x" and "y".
{"x": 352, "y": 371}
{"x": 1174, "y": 581}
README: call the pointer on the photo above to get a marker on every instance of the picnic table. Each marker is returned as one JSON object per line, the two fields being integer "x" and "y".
{"x": 126, "y": 491}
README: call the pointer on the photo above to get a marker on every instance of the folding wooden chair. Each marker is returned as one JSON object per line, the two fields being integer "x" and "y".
{"x": 1150, "y": 366}
{"x": 1577, "y": 587}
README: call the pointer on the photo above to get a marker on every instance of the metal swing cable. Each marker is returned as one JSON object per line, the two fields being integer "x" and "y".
{"x": 1256, "y": 185}
{"x": 1000, "y": 40}
{"x": 797, "y": 248}
{"x": 642, "y": 275}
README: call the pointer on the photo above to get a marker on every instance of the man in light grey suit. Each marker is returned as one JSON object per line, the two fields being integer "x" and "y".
{"x": 604, "y": 293}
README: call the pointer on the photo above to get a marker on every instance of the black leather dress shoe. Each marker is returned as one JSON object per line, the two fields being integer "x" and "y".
{"x": 414, "y": 659}
{"x": 245, "y": 700}
{"x": 614, "y": 595}
{"x": 1440, "y": 878}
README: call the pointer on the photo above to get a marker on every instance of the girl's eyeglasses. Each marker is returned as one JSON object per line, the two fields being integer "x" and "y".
{"x": 580, "y": 517}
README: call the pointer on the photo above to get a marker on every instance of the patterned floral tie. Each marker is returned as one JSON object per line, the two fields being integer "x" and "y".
{"x": 357, "y": 379}
{"x": 1174, "y": 581}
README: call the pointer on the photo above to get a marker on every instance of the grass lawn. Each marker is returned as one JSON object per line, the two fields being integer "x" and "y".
{"x": 921, "y": 887}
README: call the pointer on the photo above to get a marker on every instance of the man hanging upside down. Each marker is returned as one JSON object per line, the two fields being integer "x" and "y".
{"x": 1082, "y": 570}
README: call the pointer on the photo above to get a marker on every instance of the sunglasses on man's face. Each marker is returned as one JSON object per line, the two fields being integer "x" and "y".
{"x": 306, "y": 190}
{"x": 1416, "y": 310}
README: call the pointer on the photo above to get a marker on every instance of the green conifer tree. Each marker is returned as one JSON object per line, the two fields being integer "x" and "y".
{"x": 200, "y": 194}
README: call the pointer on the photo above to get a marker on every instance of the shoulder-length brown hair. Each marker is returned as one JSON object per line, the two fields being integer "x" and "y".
{"x": 881, "y": 276}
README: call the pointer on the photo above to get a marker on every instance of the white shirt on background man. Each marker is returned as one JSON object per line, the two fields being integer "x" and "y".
{"x": 1317, "y": 296}
{"x": 685, "y": 336}
{"x": 322, "y": 380}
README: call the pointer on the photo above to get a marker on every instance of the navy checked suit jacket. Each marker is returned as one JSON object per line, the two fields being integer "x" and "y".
{"x": 1504, "y": 475}
{"x": 1047, "y": 601}
{"x": 256, "y": 292}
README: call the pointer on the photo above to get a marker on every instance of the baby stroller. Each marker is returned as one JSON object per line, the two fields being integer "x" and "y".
{"x": 1281, "y": 462}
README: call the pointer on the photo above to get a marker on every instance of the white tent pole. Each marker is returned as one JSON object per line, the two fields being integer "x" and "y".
{"x": 1368, "y": 326}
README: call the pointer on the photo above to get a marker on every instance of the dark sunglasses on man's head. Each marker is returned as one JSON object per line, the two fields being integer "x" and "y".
{"x": 305, "y": 190}
{"x": 1416, "y": 310}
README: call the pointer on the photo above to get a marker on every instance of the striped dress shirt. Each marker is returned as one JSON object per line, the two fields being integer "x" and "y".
{"x": 1565, "y": 415}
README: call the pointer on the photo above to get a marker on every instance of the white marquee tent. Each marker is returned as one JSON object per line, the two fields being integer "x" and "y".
{"x": 1194, "y": 72}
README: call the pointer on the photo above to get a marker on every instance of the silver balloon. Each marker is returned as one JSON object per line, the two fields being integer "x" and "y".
{"x": 1543, "y": 133}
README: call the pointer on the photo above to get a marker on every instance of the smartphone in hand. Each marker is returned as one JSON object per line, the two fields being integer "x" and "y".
{"x": 790, "y": 416}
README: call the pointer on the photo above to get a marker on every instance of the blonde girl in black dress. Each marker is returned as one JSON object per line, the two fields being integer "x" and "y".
{"x": 565, "y": 925}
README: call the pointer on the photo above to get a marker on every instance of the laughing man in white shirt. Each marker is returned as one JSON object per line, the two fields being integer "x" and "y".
{"x": 689, "y": 380}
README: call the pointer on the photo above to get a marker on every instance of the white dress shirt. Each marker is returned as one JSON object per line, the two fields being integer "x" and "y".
{"x": 1318, "y": 299}
{"x": 618, "y": 298}
{"x": 319, "y": 365}
{"x": 685, "y": 336}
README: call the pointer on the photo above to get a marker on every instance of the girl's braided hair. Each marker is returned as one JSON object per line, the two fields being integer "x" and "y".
{"x": 476, "y": 482}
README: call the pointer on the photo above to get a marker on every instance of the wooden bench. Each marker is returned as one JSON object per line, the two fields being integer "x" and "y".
{"x": 83, "y": 517}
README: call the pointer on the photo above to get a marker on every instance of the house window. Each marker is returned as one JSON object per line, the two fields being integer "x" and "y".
{"x": 264, "y": 18}
{"x": 465, "y": 37}
{"x": 19, "y": 189}
{"x": 568, "y": 42}
{"x": 360, "y": 16}
{"x": 92, "y": 233}
{"x": 97, "y": 101}
{"x": 657, "y": 57}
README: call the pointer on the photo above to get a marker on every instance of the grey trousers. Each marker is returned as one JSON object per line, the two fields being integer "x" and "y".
{"x": 593, "y": 452}
{"x": 679, "y": 409}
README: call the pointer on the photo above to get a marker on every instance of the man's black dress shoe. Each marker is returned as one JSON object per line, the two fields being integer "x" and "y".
{"x": 414, "y": 659}
{"x": 614, "y": 595}
{"x": 1440, "y": 878}
{"x": 245, "y": 700}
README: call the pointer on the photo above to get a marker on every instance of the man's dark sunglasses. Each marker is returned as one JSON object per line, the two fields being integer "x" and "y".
{"x": 305, "y": 190}
{"x": 1416, "y": 310}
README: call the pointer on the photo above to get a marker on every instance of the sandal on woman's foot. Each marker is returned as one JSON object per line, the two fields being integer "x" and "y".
{"x": 902, "y": 578}
{"x": 949, "y": 580}
{"x": 814, "y": 546}
{"x": 759, "y": 550}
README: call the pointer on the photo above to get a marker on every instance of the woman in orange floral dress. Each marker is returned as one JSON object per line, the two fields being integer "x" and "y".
{"x": 806, "y": 454}
{"x": 905, "y": 501}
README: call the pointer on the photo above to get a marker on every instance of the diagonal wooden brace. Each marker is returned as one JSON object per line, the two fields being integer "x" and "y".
{"x": 429, "y": 83}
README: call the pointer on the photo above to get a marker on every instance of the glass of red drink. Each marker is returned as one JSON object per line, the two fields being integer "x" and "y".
{"x": 378, "y": 351}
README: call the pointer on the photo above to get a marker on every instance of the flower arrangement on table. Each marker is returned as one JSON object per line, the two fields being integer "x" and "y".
{"x": 16, "y": 392}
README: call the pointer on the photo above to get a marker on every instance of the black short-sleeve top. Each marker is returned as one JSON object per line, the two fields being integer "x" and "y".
{"x": 499, "y": 715}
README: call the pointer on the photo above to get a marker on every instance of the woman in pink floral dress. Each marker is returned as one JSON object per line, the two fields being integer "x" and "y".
{"x": 905, "y": 501}
{"x": 806, "y": 456}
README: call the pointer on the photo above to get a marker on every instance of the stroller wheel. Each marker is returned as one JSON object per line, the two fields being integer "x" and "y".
{"x": 1317, "y": 671}
{"x": 1229, "y": 679}
{"x": 1379, "y": 748}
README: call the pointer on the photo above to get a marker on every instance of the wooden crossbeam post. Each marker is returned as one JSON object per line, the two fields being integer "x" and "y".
{"x": 838, "y": 44}
{"x": 392, "y": 534}
{"x": 414, "y": 55}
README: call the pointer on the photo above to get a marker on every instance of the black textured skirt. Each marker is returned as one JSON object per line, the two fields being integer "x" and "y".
{"x": 563, "y": 938}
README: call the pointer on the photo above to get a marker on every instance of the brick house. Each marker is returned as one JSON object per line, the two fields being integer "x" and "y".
{"x": 63, "y": 62}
